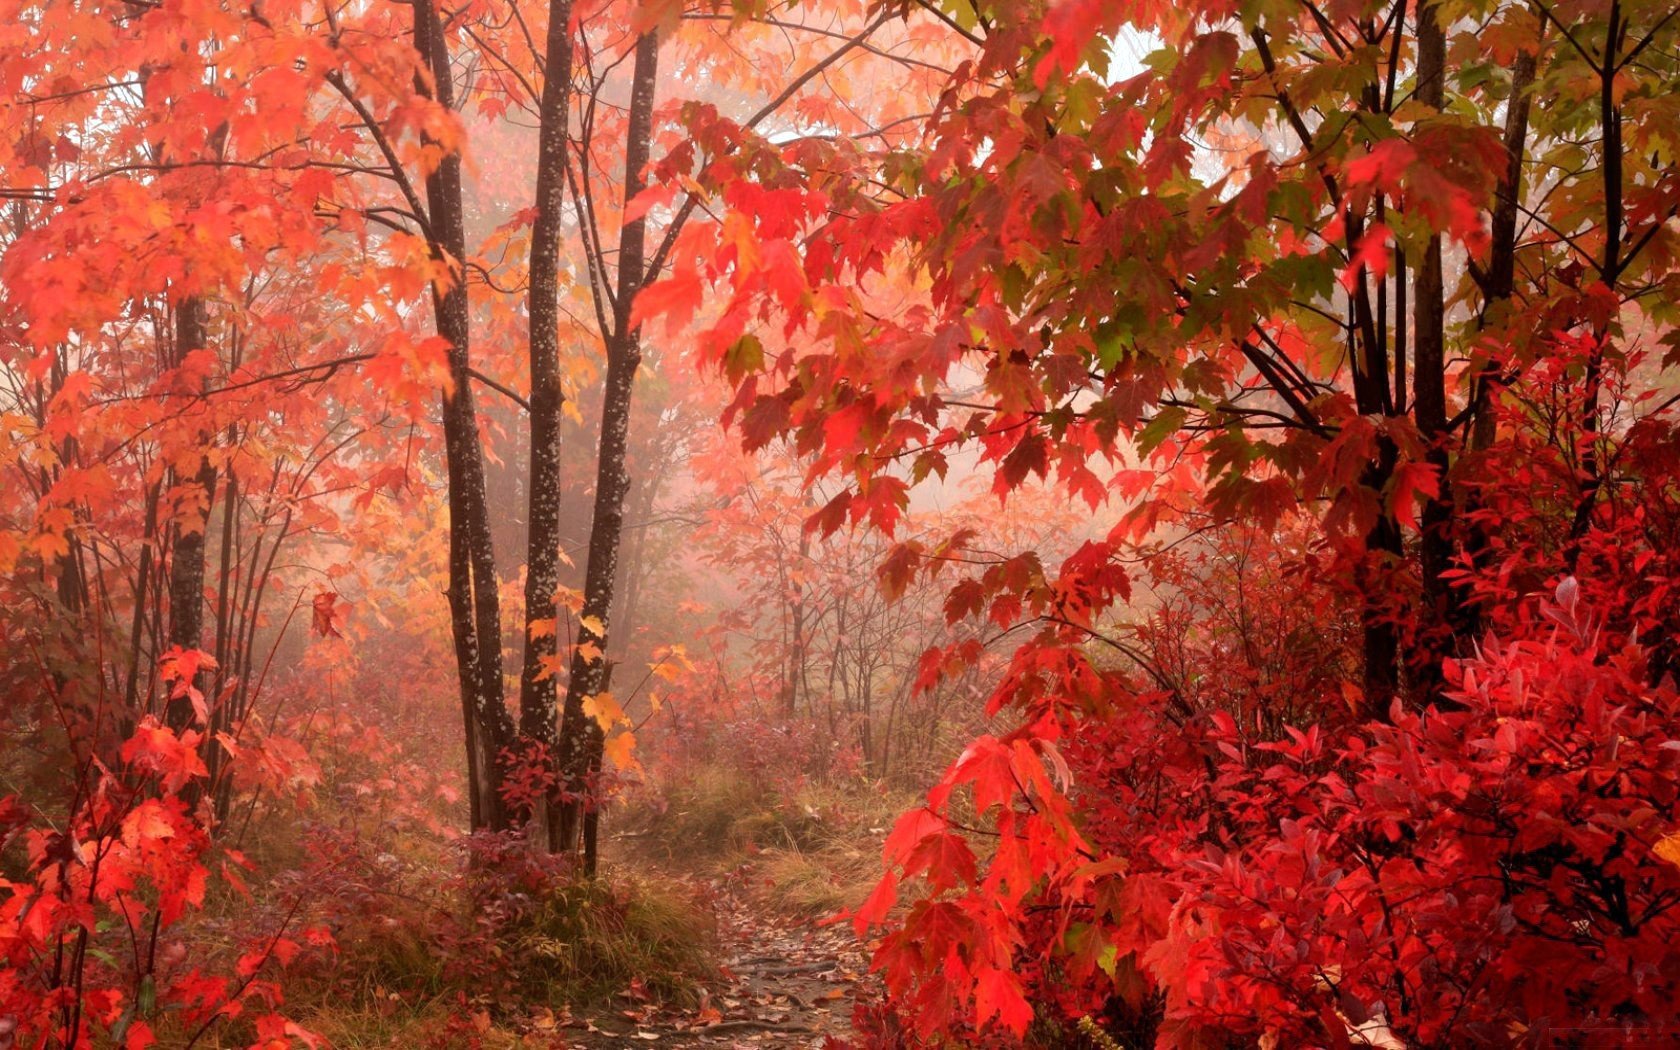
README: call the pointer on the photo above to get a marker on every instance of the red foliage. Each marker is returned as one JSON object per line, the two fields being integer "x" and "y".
{"x": 1493, "y": 871}
{"x": 89, "y": 933}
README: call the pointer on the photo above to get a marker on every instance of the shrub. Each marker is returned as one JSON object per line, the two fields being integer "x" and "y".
{"x": 1486, "y": 872}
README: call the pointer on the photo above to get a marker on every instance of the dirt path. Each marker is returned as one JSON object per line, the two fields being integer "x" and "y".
{"x": 786, "y": 982}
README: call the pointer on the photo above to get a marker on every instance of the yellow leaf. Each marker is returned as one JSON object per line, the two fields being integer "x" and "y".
{"x": 666, "y": 671}
{"x": 1668, "y": 848}
{"x": 670, "y": 662}
{"x": 620, "y": 750}
{"x": 568, "y": 598}
{"x": 593, "y": 625}
{"x": 603, "y": 709}
{"x": 589, "y": 651}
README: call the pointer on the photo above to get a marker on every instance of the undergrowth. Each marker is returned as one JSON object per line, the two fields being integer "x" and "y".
{"x": 444, "y": 951}
{"x": 806, "y": 848}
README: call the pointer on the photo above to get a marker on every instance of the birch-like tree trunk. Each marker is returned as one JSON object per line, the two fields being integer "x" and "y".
{"x": 579, "y": 748}
{"x": 538, "y": 692}
{"x": 474, "y": 604}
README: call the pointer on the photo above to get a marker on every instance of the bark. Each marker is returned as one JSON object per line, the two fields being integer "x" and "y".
{"x": 474, "y": 604}
{"x": 1496, "y": 293}
{"x": 1372, "y": 396}
{"x": 222, "y": 717}
{"x": 538, "y": 696}
{"x": 186, "y": 560}
{"x": 142, "y": 600}
{"x": 1429, "y": 392}
{"x": 630, "y": 574}
{"x": 1610, "y": 267}
{"x": 624, "y": 355}
{"x": 592, "y": 811}
{"x": 1502, "y": 254}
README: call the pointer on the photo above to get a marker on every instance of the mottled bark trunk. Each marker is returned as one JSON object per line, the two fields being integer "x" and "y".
{"x": 606, "y": 529}
{"x": 630, "y": 569}
{"x": 474, "y": 604}
{"x": 186, "y": 559}
{"x": 596, "y": 745}
{"x": 538, "y": 694}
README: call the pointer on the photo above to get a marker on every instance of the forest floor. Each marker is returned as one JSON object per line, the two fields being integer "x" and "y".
{"x": 787, "y": 981}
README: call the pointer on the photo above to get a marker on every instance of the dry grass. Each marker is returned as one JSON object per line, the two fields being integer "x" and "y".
{"x": 818, "y": 883}
{"x": 814, "y": 850}
{"x": 590, "y": 939}
{"x": 407, "y": 979}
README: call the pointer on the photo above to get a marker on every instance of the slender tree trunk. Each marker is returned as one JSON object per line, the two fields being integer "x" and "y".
{"x": 223, "y": 718}
{"x": 474, "y": 604}
{"x": 142, "y": 592}
{"x": 1381, "y": 632}
{"x": 538, "y": 696}
{"x": 186, "y": 561}
{"x": 796, "y": 651}
{"x": 624, "y": 356}
{"x": 596, "y": 745}
{"x": 1438, "y": 621}
{"x": 1496, "y": 294}
{"x": 630, "y": 574}
{"x": 1609, "y": 268}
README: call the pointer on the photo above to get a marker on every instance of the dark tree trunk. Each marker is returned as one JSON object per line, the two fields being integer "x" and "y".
{"x": 224, "y": 718}
{"x": 1496, "y": 293}
{"x": 186, "y": 559}
{"x": 1439, "y": 618}
{"x": 538, "y": 696}
{"x": 474, "y": 604}
{"x": 1610, "y": 268}
{"x": 624, "y": 356}
{"x": 596, "y": 744}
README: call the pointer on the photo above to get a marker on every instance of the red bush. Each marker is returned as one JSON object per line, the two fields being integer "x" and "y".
{"x": 1499, "y": 870}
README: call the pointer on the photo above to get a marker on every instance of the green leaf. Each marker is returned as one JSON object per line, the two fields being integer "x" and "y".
{"x": 1163, "y": 426}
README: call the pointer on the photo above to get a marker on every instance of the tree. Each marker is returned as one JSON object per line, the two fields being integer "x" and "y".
{"x": 617, "y": 279}
{"x": 474, "y": 588}
{"x": 538, "y": 695}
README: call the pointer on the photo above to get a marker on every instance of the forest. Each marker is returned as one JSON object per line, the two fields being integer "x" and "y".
{"x": 871, "y": 524}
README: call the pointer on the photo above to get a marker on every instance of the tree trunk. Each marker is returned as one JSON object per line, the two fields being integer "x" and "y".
{"x": 474, "y": 604}
{"x": 624, "y": 356}
{"x": 1591, "y": 471}
{"x": 186, "y": 560}
{"x": 538, "y": 696}
{"x": 1439, "y": 620}
{"x": 596, "y": 746}
{"x": 1496, "y": 293}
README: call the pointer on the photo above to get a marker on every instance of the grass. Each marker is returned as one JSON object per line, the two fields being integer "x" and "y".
{"x": 572, "y": 945}
{"x": 591, "y": 938}
{"x": 814, "y": 848}
{"x": 818, "y": 883}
